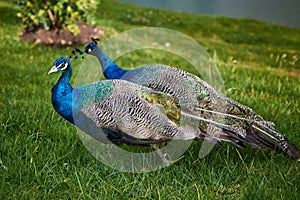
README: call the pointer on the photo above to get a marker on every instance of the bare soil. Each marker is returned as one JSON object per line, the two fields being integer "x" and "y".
{"x": 62, "y": 38}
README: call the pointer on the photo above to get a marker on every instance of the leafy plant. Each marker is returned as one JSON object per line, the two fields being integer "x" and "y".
{"x": 57, "y": 14}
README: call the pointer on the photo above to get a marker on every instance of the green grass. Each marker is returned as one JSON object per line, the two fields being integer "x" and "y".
{"x": 42, "y": 157}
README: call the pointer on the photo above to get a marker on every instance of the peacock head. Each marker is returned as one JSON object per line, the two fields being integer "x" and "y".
{"x": 91, "y": 46}
{"x": 60, "y": 65}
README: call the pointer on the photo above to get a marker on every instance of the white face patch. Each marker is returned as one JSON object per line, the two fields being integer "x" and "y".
{"x": 64, "y": 67}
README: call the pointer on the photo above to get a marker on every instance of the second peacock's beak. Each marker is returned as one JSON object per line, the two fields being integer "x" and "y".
{"x": 53, "y": 69}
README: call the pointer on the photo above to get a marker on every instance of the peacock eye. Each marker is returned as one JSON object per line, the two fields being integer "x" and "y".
{"x": 89, "y": 50}
{"x": 63, "y": 66}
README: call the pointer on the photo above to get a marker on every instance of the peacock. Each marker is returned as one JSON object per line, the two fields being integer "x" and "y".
{"x": 220, "y": 118}
{"x": 119, "y": 111}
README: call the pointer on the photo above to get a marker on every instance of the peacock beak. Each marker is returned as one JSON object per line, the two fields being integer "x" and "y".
{"x": 53, "y": 69}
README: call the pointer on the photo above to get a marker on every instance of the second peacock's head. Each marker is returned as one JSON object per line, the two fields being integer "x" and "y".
{"x": 60, "y": 65}
{"x": 89, "y": 48}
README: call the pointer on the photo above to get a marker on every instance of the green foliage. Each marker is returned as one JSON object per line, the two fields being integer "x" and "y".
{"x": 57, "y": 14}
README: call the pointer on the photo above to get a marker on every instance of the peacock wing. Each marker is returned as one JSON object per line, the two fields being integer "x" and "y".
{"x": 121, "y": 108}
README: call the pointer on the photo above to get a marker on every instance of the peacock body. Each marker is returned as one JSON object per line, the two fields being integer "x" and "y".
{"x": 220, "y": 118}
{"x": 124, "y": 111}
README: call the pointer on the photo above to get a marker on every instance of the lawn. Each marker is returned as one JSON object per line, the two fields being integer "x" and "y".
{"x": 42, "y": 156}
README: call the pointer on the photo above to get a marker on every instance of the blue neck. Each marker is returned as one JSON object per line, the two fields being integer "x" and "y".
{"x": 62, "y": 96}
{"x": 110, "y": 69}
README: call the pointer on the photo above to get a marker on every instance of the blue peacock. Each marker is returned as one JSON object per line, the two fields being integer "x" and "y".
{"x": 220, "y": 118}
{"x": 124, "y": 111}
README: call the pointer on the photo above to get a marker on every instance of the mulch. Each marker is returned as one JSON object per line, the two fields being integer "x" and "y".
{"x": 62, "y": 38}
